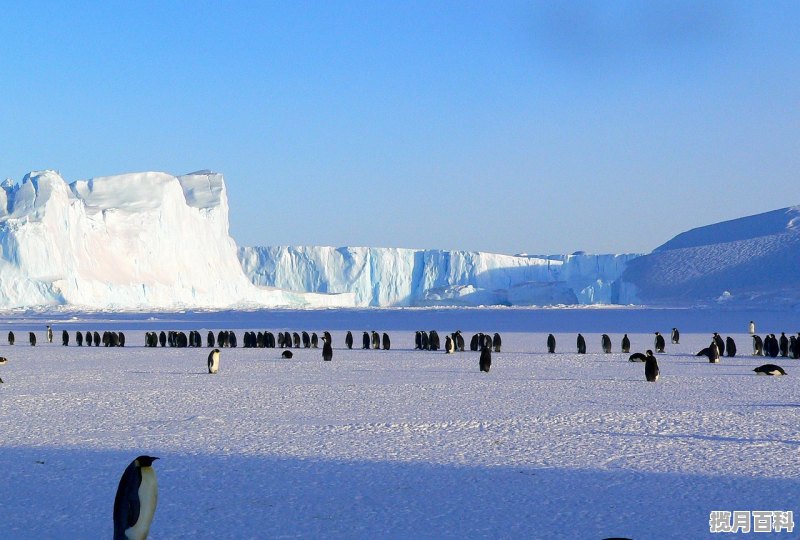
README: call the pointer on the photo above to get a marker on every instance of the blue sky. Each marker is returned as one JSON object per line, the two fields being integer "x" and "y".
{"x": 496, "y": 126}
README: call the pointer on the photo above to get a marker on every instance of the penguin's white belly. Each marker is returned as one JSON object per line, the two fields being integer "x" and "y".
{"x": 148, "y": 497}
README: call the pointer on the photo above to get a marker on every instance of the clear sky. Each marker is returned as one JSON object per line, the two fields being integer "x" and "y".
{"x": 538, "y": 127}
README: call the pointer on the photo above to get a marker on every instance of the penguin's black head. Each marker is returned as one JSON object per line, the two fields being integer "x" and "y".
{"x": 649, "y": 352}
{"x": 145, "y": 461}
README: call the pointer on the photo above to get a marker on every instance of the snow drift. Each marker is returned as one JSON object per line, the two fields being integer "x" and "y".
{"x": 409, "y": 277}
{"x": 147, "y": 240}
{"x": 751, "y": 261}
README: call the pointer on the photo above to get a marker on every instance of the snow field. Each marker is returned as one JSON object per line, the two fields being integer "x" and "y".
{"x": 399, "y": 443}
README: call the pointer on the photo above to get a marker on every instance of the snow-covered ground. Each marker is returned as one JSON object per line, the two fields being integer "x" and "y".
{"x": 399, "y": 443}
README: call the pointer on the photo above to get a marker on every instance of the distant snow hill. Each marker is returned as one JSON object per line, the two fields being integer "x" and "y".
{"x": 751, "y": 261}
{"x": 153, "y": 241}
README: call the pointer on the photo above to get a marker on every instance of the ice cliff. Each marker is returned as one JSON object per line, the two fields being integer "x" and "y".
{"x": 409, "y": 277}
{"x": 134, "y": 241}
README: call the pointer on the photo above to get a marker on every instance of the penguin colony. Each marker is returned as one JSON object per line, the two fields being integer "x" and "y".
{"x": 483, "y": 343}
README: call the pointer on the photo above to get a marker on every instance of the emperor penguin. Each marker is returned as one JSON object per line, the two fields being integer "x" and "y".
{"x": 752, "y": 328}
{"x": 770, "y": 369}
{"x": 213, "y": 361}
{"x": 49, "y": 334}
{"x": 651, "y": 367}
{"x": 387, "y": 343}
{"x": 327, "y": 350}
{"x": 605, "y": 343}
{"x": 486, "y": 359}
{"x": 348, "y": 340}
{"x": 473, "y": 343}
{"x": 433, "y": 340}
{"x": 713, "y": 356}
{"x": 497, "y": 342}
{"x": 64, "y": 338}
{"x": 449, "y": 346}
{"x": 676, "y": 336}
{"x": 784, "y": 344}
{"x": 660, "y": 343}
{"x": 32, "y": 339}
{"x": 730, "y": 346}
{"x": 626, "y": 344}
{"x": 581, "y": 344}
{"x": 11, "y": 338}
{"x": 758, "y": 346}
{"x": 135, "y": 503}
{"x": 720, "y": 343}
{"x": 551, "y": 343}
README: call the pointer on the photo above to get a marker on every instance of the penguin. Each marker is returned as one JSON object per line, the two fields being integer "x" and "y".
{"x": 714, "y": 354}
{"x": 136, "y": 499}
{"x": 752, "y": 328}
{"x": 376, "y": 340}
{"x": 387, "y": 344}
{"x": 676, "y": 336}
{"x": 65, "y": 338}
{"x": 639, "y": 357}
{"x": 3, "y": 360}
{"x": 122, "y": 339}
{"x": 651, "y": 371}
{"x": 774, "y": 348}
{"x": 770, "y": 369}
{"x": 32, "y": 339}
{"x": 213, "y": 361}
{"x": 449, "y": 346}
{"x": 348, "y": 340}
{"x": 720, "y": 343}
{"x": 88, "y": 339}
{"x": 286, "y": 354}
{"x": 758, "y": 346}
{"x": 485, "y": 362}
{"x": 605, "y": 343}
{"x": 626, "y": 344}
{"x": 705, "y": 352}
{"x": 49, "y": 334}
{"x": 784, "y": 345}
{"x": 660, "y": 343}
{"x": 473, "y": 342}
{"x": 327, "y": 350}
{"x": 497, "y": 342}
{"x": 79, "y": 338}
{"x": 314, "y": 340}
{"x": 581, "y": 345}
{"x": 210, "y": 339}
{"x": 459, "y": 341}
{"x": 433, "y": 340}
{"x": 365, "y": 341}
{"x": 162, "y": 339}
{"x": 306, "y": 340}
{"x": 11, "y": 338}
{"x": 794, "y": 345}
{"x": 231, "y": 338}
{"x": 730, "y": 346}
{"x": 417, "y": 339}
{"x": 551, "y": 343}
